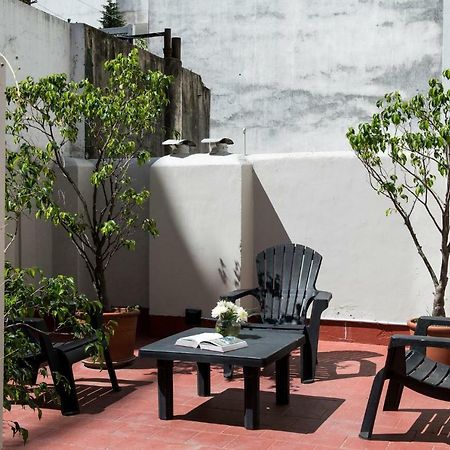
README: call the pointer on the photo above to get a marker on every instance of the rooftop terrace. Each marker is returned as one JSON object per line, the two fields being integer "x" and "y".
{"x": 325, "y": 414}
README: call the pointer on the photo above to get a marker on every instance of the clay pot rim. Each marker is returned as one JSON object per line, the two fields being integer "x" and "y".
{"x": 121, "y": 311}
{"x": 412, "y": 324}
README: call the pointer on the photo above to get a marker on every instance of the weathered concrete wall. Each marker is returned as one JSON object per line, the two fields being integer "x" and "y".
{"x": 189, "y": 107}
{"x": 296, "y": 74}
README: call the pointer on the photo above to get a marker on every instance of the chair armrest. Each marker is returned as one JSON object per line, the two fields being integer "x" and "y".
{"x": 239, "y": 293}
{"x": 400, "y": 340}
{"x": 323, "y": 297}
{"x": 425, "y": 321}
{"x": 320, "y": 303}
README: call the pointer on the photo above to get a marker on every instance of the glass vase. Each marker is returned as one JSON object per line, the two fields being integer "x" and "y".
{"x": 228, "y": 327}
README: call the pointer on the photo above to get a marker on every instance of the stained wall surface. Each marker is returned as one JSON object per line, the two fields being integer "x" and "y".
{"x": 297, "y": 74}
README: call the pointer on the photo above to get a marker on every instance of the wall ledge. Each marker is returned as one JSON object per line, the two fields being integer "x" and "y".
{"x": 153, "y": 326}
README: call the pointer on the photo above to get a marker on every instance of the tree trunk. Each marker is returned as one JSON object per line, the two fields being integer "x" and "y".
{"x": 100, "y": 283}
{"x": 439, "y": 299}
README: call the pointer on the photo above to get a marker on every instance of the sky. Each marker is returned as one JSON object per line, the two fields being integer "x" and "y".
{"x": 86, "y": 11}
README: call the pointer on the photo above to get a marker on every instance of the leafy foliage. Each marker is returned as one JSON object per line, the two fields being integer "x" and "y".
{"x": 405, "y": 149}
{"x": 111, "y": 15}
{"x": 116, "y": 117}
{"x": 28, "y": 294}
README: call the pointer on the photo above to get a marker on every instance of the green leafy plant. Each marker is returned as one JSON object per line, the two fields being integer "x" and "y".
{"x": 111, "y": 15}
{"x": 405, "y": 149}
{"x": 115, "y": 117}
{"x": 28, "y": 293}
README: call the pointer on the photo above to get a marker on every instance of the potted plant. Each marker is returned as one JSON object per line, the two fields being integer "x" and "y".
{"x": 405, "y": 149}
{"x": 115, "y": 118}
{"x": 28, "y": 293}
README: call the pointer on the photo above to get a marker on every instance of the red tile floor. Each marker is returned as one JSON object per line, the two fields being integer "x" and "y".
{"x": 323, "y": 415}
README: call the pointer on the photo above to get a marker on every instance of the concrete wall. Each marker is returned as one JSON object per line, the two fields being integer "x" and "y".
{"x": 296, "y": 74}
{"x": 321, "y": 200}
{"x": 214, "y": 213}
{"x": 36, "y": 44}
{"x": 189, "y": 99}
{"x": 203, "y": 207}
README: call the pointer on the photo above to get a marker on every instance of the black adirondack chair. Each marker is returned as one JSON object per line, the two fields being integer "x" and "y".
{"x": 286, "y": 290}
{"x": 410, "y": 368}
{"x": 60, "y": 356}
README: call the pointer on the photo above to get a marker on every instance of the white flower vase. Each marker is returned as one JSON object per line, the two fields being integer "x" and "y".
{"x": 228, "y": 327}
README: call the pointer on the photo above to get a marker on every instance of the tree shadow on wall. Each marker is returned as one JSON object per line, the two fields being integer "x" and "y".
{"x": 268, "y": 230}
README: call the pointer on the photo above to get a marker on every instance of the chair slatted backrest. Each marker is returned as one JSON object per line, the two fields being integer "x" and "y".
{"x": 287, "y": 276}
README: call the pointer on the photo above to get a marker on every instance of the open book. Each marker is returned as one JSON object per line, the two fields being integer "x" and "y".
{"x": 212, "y": 341}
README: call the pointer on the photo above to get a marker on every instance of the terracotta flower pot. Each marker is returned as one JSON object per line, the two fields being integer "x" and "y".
{"x": 122, "y": 342}
{"x": 437, "y": 354}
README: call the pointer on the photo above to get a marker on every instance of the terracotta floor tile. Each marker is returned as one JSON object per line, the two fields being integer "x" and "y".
{"x": 324, "y": 415}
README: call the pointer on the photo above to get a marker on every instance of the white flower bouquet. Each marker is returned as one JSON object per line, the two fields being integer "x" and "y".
{"x": 226, "y": 311}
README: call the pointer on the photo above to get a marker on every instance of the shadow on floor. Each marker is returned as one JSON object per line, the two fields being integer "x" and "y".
{"x": 304, "y": 414}
{"x": 345, "y": 364}
{"x": 432, "y": 425}
{"x": 94, "y": 399}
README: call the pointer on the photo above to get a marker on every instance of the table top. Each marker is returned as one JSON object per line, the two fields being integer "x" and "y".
{"x": 264, "y": 347}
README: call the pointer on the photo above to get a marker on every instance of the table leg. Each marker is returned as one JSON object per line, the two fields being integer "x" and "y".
{"x": 203, "y": 379}
{"x": 251, "y": 397}
{"x": 282, "y": 380}
{"x": 165, "y": 389}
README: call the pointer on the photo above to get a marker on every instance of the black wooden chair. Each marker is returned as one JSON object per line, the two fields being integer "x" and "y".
{"x": 286, "y": 290}
{"x": 410, "y": 368}
{"x": 60, "y": 356}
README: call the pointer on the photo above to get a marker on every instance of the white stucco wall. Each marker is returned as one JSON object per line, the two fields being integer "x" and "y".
{"x": 203, "y": 207}
{"x": 320, "y": 200}
{"x": 36, "y": 44}
{"x": 297, "y": 74}
{"x": 214, "y": 213}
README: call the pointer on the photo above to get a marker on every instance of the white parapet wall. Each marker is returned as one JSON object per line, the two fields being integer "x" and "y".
{"x": 214, "y": 213}
{"x": 203, "y": 208}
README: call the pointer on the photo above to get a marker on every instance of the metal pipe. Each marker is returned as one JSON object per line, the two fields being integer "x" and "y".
{"x": 176, "y": 47}
{"x": 167, "y": 42}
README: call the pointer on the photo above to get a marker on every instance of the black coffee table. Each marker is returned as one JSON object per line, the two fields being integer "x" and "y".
{"x": 264, "y": 348}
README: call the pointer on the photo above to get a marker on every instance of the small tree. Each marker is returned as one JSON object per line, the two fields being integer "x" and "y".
{"x": 405, "y": 149}
{"x": 115, "y": 116}
{"x": 111, "y": 15}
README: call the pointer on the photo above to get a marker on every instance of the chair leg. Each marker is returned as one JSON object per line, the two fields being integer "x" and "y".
{"x": 62, "y": 375}
{"x": 308, "y": 361}
{"x": 111, "y": 371}
{"x": 372, "y": 406}
{"x": 228, "y": 371}
{"x": 393, "y": 396}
